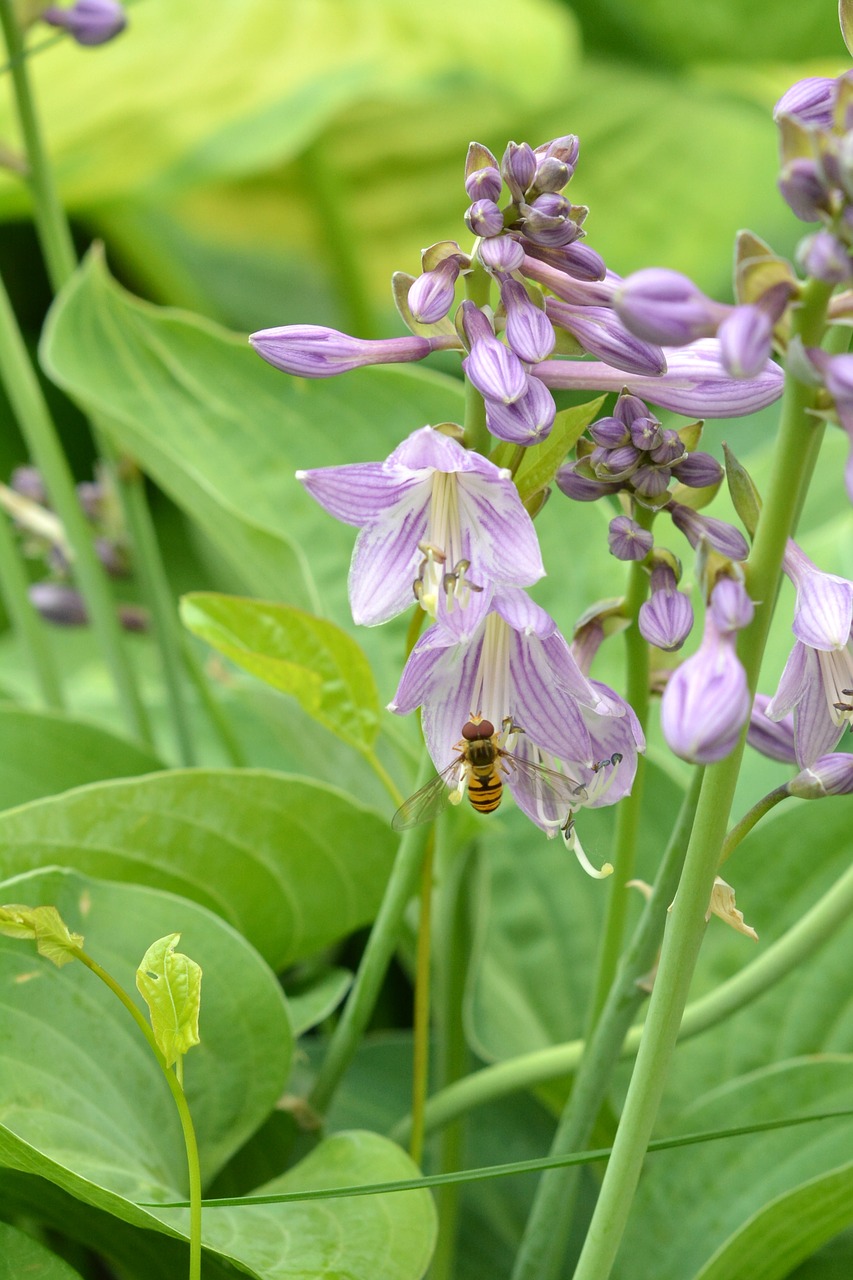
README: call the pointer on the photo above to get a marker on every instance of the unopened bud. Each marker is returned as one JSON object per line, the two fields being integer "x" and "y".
{"x": 518, "y": 168}
{"x": 628, "y": 540}
{"x": 312, "y": 351}
{"x": 431, "y": 296}
{"x": 830, "y": 775}
{"x": 745, "y": 338}
{"x": 484, "y": 184}
{"x": 825, "y": 257}
{"x": 811, "y": 101}
{"x": 698, "y": 471}
{"x": 529, "y": 332}
{"x": 666, "y": 307}
{"x": 528, "y": 420}
{"x": 501, "y": 253}
{"x": 89, "y": 22}
{"x": 484, "y": 218}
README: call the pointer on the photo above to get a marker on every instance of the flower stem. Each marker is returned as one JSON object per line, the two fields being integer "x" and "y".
{"x": 686, "y": 926}
{"x": 750, "y": 819}
{"x": 33, "y": 416}
{"x": 543, "y": 1247}
{"x": 402, "y": 884}
{"x": 177, "y": 1092}
{"x": 420, "y": 1057}
{"x": 25, "y": 620}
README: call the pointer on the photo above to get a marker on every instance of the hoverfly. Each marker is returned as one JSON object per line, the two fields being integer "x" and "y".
{"x": 481, "y": 763}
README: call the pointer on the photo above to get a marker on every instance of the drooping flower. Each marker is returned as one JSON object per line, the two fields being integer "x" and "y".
{"x": 433, "y": 514}
{"x": 666, "y": 618}
{"x": 313, "y": 351}
{"x": 817, "y": 683}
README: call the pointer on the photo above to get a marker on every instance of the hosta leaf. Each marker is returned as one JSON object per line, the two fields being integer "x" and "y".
{"x": 170, "y": 984}
{"x": 297, "y": 653}
{"x": 23, "y": 1257}
{"x": 294, "y": 865}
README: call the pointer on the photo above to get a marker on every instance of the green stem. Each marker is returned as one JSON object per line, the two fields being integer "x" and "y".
{"x": 801, "y": 942}
{"x": 33, "y": 416}
{"x": 544, "y": 1243}
{"x": 26, "y": 622}
{"x": 384, "y": 777}
{"x": 452, "y": 952}
{"x": 749, "y": 820}
{"x": 403, "y": 883}
{"x": 176, "y": 1090}
{"x": 420, "y": 1055}
{"x": 686, "y": 927}
{"x": 215, "y": 714}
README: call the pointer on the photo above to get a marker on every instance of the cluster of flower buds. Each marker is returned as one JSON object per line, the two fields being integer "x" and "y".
{"x": 89, "y": 22}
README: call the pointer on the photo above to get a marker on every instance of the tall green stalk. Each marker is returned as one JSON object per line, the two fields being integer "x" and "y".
{"x": 794, "y": 458}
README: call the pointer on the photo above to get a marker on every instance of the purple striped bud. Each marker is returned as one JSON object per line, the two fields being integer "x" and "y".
{"x": 614, "y": 464}
{"x": 774, "y": 739}
{"x": 431, "y": 296}
{"x": 529, "y": 332}
{"x": 802, "y": 188}
{"x": 745, "y": 338}
{"x": 565, "y": 149}
{"x": 837, "y": 375}
{"x": 647, "y": 434}
{"x": 501, "y": 253}
{"x": 825, "y": 257}
{"x": 651, "y": 482}
{"x": 697, "y": 528}
{"x": 518, "y": 167}
{"x": 731, "y": 607}
{"x": 628, "y": 540}
{"x": 577, "y": 485}
{"x": 484, "y": 218}
{"x": 669, "y": 450}
{"x": 484, "y": 184}
{"x": 527, "y": 421}
{"x": 311, "y": 351}
{"x": 599, "y": 331}
{"x": 666, "y": 618}
{"x": 810, "y": 101}
{"x": 630, "y": 409}
{"x": 610, "y": 433}
{"x": 666, "y": 307}
{"x": 542, "y": 226}
{"x": 830, "y": 775}
{"x": 706, "y": 701}
{"x": 89, "y": 22}
{"x": 578, "y": 261}
{"x": 551, "y": 175}
{"x": 492, "y": 368}
{"x": 698, "y": 471}
{"x": 584, "y": 293}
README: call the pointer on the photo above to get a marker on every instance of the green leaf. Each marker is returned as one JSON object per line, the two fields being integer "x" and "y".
{"x": 53, "y": 939}
{"x": 294, "y": 865}
{"x": 297, "y": 653}
{"x": 23, "y": 1258}
{"x": 237, "y": 428}
{"x": 312, "y": 1001}
{"x": 91, "y": 1112}
{"x": 45, "y": 752}
{"x": 170, "y": 984}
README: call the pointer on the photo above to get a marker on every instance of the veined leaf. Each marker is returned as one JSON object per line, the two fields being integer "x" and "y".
{"x": 170, "y": 984}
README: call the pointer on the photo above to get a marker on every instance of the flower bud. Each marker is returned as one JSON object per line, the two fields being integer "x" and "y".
{"x": 810, "y": 101}
{"x": 669, "y": 450}
{"x": 774, "y": 739}
{"x": 529, "y": 332}
{"x": 745, "y": 338}
{"x": 666, "y": 307}
{"x": 610, "y": 433}
{"x": 551, "y": 175}
{"x": 501, "y": 253}
{"x": 666, "y": 618}
{"x": 802, "y": 189}
{"x": 89, "y": 22}
{"x": 647, "y": 434}
{"x": 518, "y": 167}
{"x": 431, "y": 296}
{"x": 730, "y": 606}
{"x": 528, "y": 420}
{"x": 484, "y": 218}
{"x": 565, "y": 149}
{"x": 628, "y": 540}
{"x": 614, "y": 464}
{"x": 830, "y": 775}
{"x": 492, "y": 368}
{"x": 484, "y": 184}
{"x": 698, "y": 528}
{"x": 706, "y": 701}
{"x": 600, "y": 332}
{"x": 651, "y": 482}
{"x": 825, "y": 257}
{"x": 312, "y": 351}
{"x": 698, "y": 470}
{"x": 582, "y": 488}
{"x": 577, "y": 261}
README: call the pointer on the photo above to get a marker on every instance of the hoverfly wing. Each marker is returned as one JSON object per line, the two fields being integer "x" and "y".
{"x": 429, "y": 801}
{"x": 549, "y": 788}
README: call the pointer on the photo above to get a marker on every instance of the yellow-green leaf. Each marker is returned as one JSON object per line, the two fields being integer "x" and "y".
{"x": 54, "y": 939}
{"x": 170, "y": 984}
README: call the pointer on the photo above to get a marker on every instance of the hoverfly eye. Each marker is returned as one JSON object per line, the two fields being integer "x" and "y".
{"x": 470, "y": 731}
{"x": 485, "y": 729}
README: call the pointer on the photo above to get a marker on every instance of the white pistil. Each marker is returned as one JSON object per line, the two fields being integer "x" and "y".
{"x": 572, "y": 842}
{"x": 491, "y": 684}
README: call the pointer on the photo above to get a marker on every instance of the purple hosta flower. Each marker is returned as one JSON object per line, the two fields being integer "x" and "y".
{"x": 666, "y": 618}
{"x": 628, "y": 540}
{"x": 435, "y": 514}
{"x": 484, "y": 218}
{"x": 594, "y": 292}
{"x": 730, "y": 606}
{"x": 817, "y": 683}
{"x": 666, "y": 307}
{"x": 698, "y": 470}
{"x": 698, "y": 528}
{"x": 746, "y": 337}
{"x": 600, "y": 332}
{"x": 837, "y": 374}
{"x": 431, "y": 295}
{"x": 548, "y": 221}
{"x": 576, "y": 261}
{"x": 773, "y": 738}
{"x": 803, "y": 190}
{"x": 826, "y": 257}
{"x": 695, "y": 382}
{"x": 706, "y": 701}
{"x": 553, "y": 160}
{"x": 89, "y": 22}
{"x": 518, "y": 167}
{"x": 529, "y": 332}
{"x": 527, "y": 421}
{"x": 831, "y": 775}
{"x": 312, "y": 351}
{"x": 575, "y": 483}
{"x": 810, "y": 101}
{"x": 492, "y": 368}
{"x": 501, "y": 254}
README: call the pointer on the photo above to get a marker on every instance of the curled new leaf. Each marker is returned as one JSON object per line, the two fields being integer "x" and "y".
{"x": 170, "y": 984}
{"x": 54, "y": 939}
